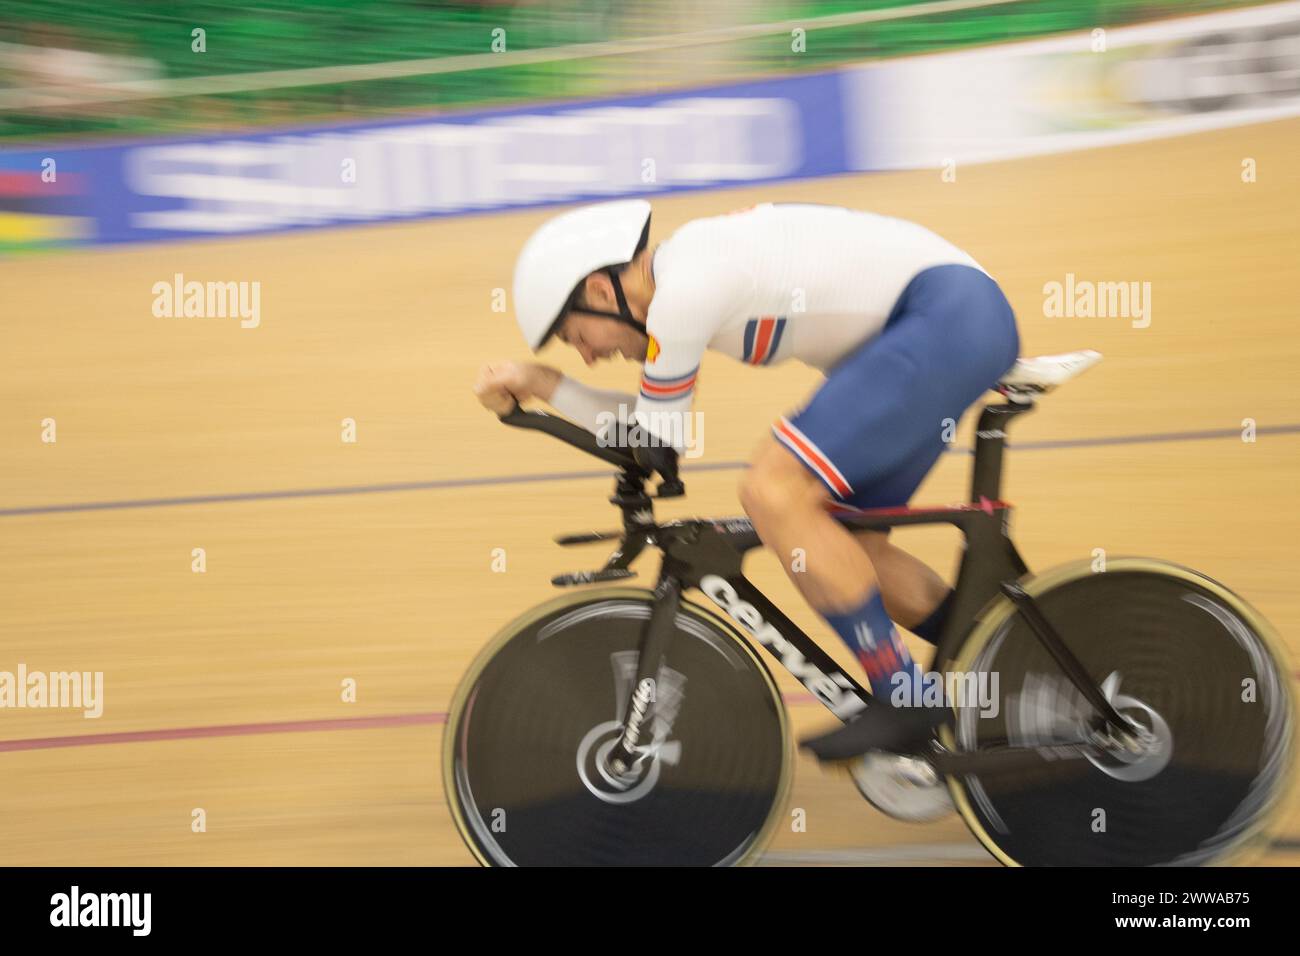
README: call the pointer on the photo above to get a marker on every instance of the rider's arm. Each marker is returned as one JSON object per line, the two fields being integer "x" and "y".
{"x": 684, "y": 316}
{"x": 668, "y": 388}
{"x": 594, "y": 409}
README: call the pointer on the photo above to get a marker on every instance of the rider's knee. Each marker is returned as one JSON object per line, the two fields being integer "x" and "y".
{"x": 756, "y": 495}
{"x": 776, "y": 484}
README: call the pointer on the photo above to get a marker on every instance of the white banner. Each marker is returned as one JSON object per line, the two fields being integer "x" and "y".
{"x": 1075, "y": 92}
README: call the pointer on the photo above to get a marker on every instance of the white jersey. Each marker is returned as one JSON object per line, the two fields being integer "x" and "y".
{"x": 763, "y": 285}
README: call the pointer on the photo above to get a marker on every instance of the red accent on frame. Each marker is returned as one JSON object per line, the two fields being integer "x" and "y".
{"x": 984, "y": 505}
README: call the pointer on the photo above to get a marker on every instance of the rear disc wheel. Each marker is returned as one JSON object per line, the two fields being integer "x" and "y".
{"x": 1198, "y": 673}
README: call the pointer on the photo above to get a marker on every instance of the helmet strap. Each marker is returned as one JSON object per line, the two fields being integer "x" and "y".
{"x": 623, "y": 309}
{"x": 624, "y": 313}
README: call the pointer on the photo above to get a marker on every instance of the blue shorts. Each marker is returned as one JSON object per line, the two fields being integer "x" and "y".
{"x": 874, "y": 430}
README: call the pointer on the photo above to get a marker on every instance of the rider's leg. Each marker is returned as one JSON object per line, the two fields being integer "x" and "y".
{"x": 787, "y": 505}
{"x": 833, "y": 572}
{"x": 869, "y": 436}
{"x": 915, "y": 595}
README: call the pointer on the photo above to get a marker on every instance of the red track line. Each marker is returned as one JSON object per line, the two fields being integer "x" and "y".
{"x": 271, "y": 727}
{"x": 225, "y": 730}
{"x": 243, "y": 730}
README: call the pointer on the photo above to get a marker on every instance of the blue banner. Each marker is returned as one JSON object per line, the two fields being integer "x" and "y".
{"x": 764, "y": 131}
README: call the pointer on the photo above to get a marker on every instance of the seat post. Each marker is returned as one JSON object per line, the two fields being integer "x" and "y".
{"x": 990, "y": 440}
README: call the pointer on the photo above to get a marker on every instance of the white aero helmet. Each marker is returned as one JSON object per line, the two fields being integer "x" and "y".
{"x": 568, "y": 248}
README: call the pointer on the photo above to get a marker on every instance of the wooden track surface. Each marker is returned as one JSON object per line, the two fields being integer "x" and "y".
{"x": 393, "y": 588}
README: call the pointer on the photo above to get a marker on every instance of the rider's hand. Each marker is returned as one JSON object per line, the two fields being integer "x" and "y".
{"x": 502, "y": 385}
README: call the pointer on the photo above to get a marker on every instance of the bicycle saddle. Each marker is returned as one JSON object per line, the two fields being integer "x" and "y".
{"x": 1042, "y": 373}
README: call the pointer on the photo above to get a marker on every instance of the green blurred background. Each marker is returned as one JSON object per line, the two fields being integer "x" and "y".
{"x": 71, "y": 45}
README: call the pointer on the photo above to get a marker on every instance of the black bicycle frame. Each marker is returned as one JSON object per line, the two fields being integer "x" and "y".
{"x": 708, "y": 554}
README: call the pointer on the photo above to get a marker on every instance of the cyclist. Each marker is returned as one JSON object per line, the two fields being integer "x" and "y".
{"x": 909, "y": 330}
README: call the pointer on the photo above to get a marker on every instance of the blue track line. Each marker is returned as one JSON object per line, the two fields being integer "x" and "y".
{"x": 493, "y": 480}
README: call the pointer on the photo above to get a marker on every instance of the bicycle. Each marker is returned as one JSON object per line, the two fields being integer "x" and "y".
{"x": 1144, "y": 717}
